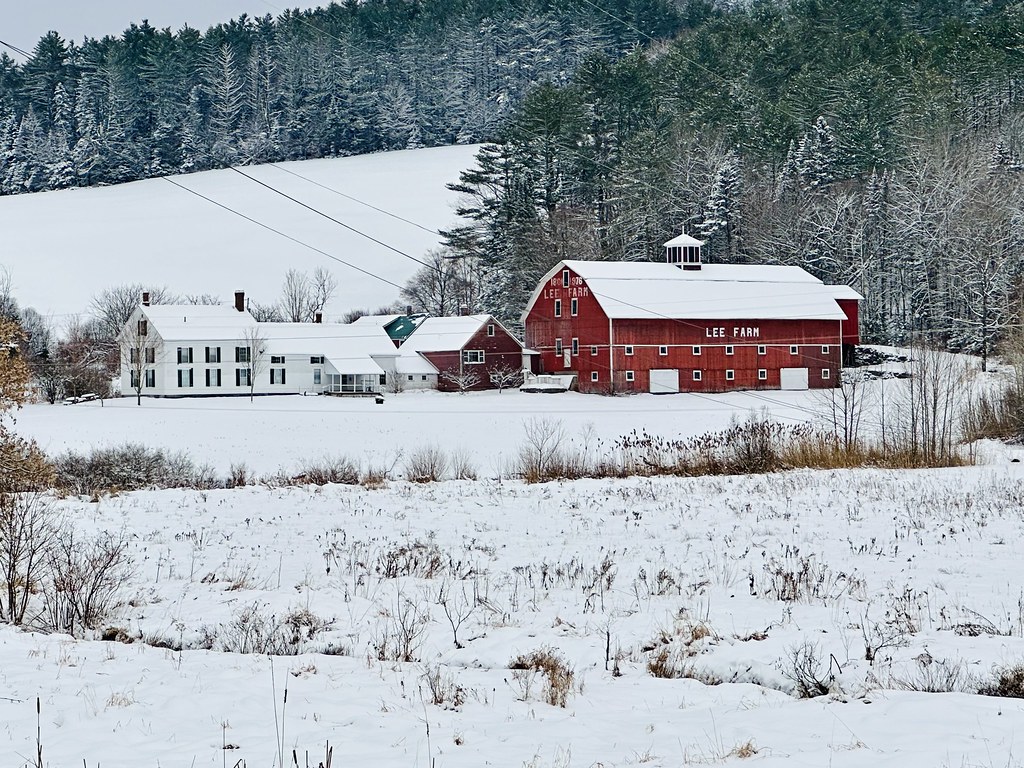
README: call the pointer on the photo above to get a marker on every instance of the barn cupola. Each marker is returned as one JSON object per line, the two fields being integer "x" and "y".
{"x": 684, "y": 252}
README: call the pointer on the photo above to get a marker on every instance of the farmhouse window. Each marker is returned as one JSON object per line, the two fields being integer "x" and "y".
{"x": 730, "y": 350}
{"x": 213, "y": 354}
{"x": 558, "y": 307}
{"x": 730, "y": 375}
{"x": 135, "y": 380}
{"x": 422, "y": 378}
{"x": 762, "y": 374}
{"x": 382, "y": 379}
{"x": 242, "y": 355}
{"x": 213, "y": 377}
{"x": 593, "y": 376}
{"x": 242, "y": 377}
{"x": 663, "y": 350}
{"x": 317, "y": 376}
{"x": 277, "y": 359}
{"x": 630, "y": 376}
{"x": 574, "y": 307}
{"x": 762, "y": 349}
{"x": 558, "y": 346}
{"x": 150, "y": 378}
{"x": 277, "y": 375}
{"x": 565, "y": 278}
{"x": 472, "y": 356}
{"x": 150, "y": 354}
{"x": 410, "y": 377}
{"x": 185, "y": 377}
{"x": 697, "y": 375}
{"x": 794, "y": 350}
{"x": 184, "y": 355}
{"x": 825, "y": 373}
{"x": 133, "y": 357}
{"x": 696, "y": 351}
{"x": 490, "y": 329}
{"x": 143, "y": 327}
{"x": 316, "y": 360}
{"x": 593, "y": 351}
{"x": 629, "y": 350}
{"x": 575, "y": 347}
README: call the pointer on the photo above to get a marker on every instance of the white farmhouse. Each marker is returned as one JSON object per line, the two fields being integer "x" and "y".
{"x": 194, "y": 350}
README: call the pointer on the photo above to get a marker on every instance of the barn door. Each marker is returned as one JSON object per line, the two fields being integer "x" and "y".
{"x": 664, "y": 381}
{"x": 793, "y": 378}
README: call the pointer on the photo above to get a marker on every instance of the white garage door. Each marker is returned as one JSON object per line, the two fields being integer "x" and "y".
{"x": 664, "y": 380}
{"x": 793, "y": 378}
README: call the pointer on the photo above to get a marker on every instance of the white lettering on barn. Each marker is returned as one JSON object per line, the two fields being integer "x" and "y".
{"x": 747, "y": 332}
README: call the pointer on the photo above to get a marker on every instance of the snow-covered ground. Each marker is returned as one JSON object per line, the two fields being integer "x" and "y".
{"x": 62, "y": 248}
{"x": 723, "y": 578}
{"x": 274, "y": 433}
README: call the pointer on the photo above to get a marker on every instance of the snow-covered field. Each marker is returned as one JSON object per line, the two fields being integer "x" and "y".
{"x": 275, "y": 433}
{"x": 62, "y": 248}
{"x": 721, "y": 580}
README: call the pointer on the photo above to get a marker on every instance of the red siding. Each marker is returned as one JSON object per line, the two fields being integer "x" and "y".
{"x": 818, "y": 345}
{"x": 501, "y": 349}
{"x": 851, "y": 326}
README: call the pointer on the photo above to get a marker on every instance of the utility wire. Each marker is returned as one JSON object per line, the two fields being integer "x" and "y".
{"x": 16, "y": 49}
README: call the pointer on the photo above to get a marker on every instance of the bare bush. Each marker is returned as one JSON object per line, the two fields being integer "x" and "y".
{"x": 558, "y": 675}
{"x": 420, "y": 559}
{"x": 928, "y": 675}
{"x": 129, "y": 467}
{"x": 340, "y": 471}
{"x": 256, "y": 630}
{"x": 427, "y": 464}
{"x": 399, "y": 636}
{"x": 804, "y": 667}
{"x": 84, "y": 580}
{"x": 444, "y": 690}
{"x": 505, "y": 377}
{"x": 1007, "y": 682}
{"x": 461, "y": 381}
{"x": 28, "y": 528}
{"x": 462, "y": 465}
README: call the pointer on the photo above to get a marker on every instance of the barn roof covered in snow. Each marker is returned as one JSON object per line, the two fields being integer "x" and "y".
{"x": 652, "y": 290}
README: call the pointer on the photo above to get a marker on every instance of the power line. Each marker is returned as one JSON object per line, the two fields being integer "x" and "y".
{"x": 16, "y": 49}
{"x": 258, "y": 223}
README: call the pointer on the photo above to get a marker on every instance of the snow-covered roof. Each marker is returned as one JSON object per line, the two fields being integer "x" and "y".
{"x": 844, "y": 292}
{"x": 198, "y": 322}
{"x": 444, "y": 334}
{"x": 651, "y": 290}
{"x": 381, "y": 320}
{"x": 685, "y": 241}
{"x": 347, "y": 348}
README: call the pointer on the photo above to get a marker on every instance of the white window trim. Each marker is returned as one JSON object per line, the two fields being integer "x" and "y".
{"x": 696, "y": 350}
{"x": 593, "y": 376}
{"x": 565, "y": 278}
{"x": 558, "y": 346}
{"x": 575, "y": 346}
{"x": 574, "y": 307}
{"x": 663, "y": 350}
{"x": 825, "y": 349}
{"x": 794, "y": 349}
{"x": 730, "y": 374}
{"x": 474, "y": 352}
{"x": 762, "y": 349}
{"x": 490, "y": 329}
{"x": 630, "y": 376}
{"x": 698, "y": 376}
{"x": 730, "y": 349}
{"x": 629, "y": 350}
{"x": 593, "y": 350}
{"x": 826, "y": 373}
{"x": 762, "y": 374}
{"x": 558, "y": 307}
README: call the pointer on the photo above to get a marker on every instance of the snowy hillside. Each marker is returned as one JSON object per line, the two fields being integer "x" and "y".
{"x": 63, "y": 247}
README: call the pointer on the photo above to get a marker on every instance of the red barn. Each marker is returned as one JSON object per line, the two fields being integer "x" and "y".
{"x": 688, "y": 326}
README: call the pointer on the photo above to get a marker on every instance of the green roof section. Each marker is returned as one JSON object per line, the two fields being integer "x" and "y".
{"x": 401, "y": 327}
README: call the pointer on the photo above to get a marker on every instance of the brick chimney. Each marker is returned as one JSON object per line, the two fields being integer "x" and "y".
{"x": 464, "y": 310}
{"x": 408, "y": 309}
{"x": 240, "y": 301}
{"x": 145, "y": 298}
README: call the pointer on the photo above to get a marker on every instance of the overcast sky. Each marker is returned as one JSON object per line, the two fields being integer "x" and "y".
{"x": 23, "y": 22}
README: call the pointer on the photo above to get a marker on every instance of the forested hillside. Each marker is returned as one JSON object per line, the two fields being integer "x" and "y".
{"x": 347, "y": 79}
{"x": 873, "y": 142}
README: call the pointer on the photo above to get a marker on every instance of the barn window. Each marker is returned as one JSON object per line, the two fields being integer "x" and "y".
{"x": 213, "y": 377}
{"x": 558, "y": 307}
{"x": 824, "y": 349}
{"x": 762, "y": 349}
{"x": 794, "y": 350}
{"x": 574, "y": 307}
{"x": 729, "y": 350}
{"x": 825, "y": 373}
{"x": 490, "y": 329}
{"x": 697, "y": 375}
{"x": 630, "y": 376}
{"x": 565, "y": 278}
{"x": 575, "y": 347}
{"x": 730, "y": 374}
{"x": 629, "y": 350}
{"x": 593, "y": 351}
{"x": 593, "y": 375}
{"x": 558, "y": 346}
{"x": 472, "y": 356}
{"x": 762, "y": 374}
{"x": 422, "y": 378}
{"x": 185, "y": 377}
{"x": 150, "y": 378}
{"x": 696, "y": 350}
{"x": 663, "y": 350}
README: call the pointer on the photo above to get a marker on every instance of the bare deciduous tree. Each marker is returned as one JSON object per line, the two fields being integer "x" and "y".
{"x": 138, "y": 354}
{"x": 446, "y": 283}
{"x": 505, "y": 377}
{"x": 304, "y": 296}
{"x": 256, "y": 342}
{"x": 463, "y": 380}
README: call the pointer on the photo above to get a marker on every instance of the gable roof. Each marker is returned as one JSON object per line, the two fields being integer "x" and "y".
{"x": 197, "y": 322}
{"x": 652, "y": 290}
{"x": 444, "y": 334}
{"x": 348, "y": 348}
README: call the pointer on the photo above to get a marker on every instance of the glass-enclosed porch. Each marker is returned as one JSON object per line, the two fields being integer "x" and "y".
{"x": 353, "y": 383}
